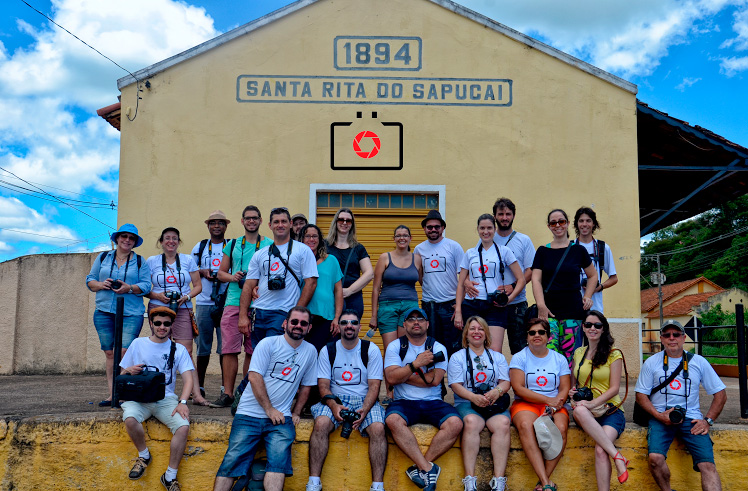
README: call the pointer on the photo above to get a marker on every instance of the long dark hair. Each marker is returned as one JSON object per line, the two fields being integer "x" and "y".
{"x": 321, "y": 251}
{"x": 606, "y": 339}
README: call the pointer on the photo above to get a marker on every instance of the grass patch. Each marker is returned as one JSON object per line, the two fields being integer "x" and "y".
{"x": 724, "y": 350}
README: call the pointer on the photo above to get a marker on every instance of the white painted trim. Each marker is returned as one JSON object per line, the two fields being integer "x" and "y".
{"x": 625, "y": 320}
{"x": 447, "y": 4}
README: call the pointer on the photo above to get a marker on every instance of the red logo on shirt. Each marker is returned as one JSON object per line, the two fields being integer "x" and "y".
{"x": 541, "y": 381}
{"x": 481, "y": 377}
{"x": 484, "y": 268}
{"x": 675, "y": 385}
{"x": 171, "y": 279}
{"x": 275, "y": 266}
{"x": 434, "y": 263}
{"x": 286, "y": 371}
{"x": 347, "y": 376}
{"x": 216, "y": 262}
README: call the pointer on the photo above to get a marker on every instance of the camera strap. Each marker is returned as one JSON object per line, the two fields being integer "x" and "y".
{"x": 114, "y": 261}
{"x": 470, "y": 365}
{"x": 274, "y": 250}
{"x": 178, "y": 276}
{"x": 483, "y": 273}
{"x": 592, "y": 368}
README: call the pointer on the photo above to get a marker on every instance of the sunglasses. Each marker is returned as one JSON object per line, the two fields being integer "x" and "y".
{"x": 539, "y": 332}
{"x": 433, "y": 227}
{"x": 557, "y": 223}
{"x": 165, "y": 323}
{"x": 346, "y": 322}
{"x": 128, "y": 237}
{"x": 345, "y": 220}
{"x": 478, "y": 364}
{"x": 416, "y": 319}
{"x": 668, "y": 335}
{"x": 590, "y": 325}
{"x": 297, "y": 322}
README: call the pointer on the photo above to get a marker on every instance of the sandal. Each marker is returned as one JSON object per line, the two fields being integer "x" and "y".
{"x": 551, "y": 486}
{"x": 203, "y": 403}
{"x": 538, "y": 487}
{"x": 623, "y": 477}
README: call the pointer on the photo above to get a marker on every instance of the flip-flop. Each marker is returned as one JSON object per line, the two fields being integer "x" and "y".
{"x": 204, "y": 403}
{"x": 551, "y": 487}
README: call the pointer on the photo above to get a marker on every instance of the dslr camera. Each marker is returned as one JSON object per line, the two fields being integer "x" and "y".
{"x": 438, "y": 357}
{"x": 116, "y": 285}
{"x": 499, "y": 298}
{"x": 677, "y": 415}
{"x": 348, "y": 419}
{"x": 173, "y": 300}
{"x": 582, "y": 394}
{"x": 481, "y": 388}
{"x": 277, "y": 283}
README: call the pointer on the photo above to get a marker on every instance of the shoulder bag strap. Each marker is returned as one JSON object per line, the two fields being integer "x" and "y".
{"x": 347, "y": 261}
{"x": 558, "y": 267}
{"x": 469, "y": 364}
{"x": 669, "y": 379}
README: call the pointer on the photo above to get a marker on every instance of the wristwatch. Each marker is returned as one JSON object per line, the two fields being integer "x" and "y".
{"x": 710, "y": 421}
{"x": 183, "y": 401}
{"x": 130, "y": 290}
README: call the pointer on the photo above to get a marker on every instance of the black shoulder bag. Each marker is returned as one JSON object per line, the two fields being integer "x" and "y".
{"x": 148, "y": 385}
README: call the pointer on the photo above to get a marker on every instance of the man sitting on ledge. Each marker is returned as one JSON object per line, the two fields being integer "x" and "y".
{"x": 158, "y": 351}
{"x": 417, "y": 377}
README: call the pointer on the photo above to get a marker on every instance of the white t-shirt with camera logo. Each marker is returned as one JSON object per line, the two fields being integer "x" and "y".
{"x": 441, "y": 265}
{"x": 542, "y": 375}
{"x": 484, "y": 372}
{"x": 349, "y": 376}
{"x": 283, "y": 369}
{"x": 411, "y": 392}
{"x": 171, "y": 279}
{"x": 492, "y": 270}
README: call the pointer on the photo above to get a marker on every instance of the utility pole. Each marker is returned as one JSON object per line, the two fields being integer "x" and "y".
{"x": 659, "y": 287}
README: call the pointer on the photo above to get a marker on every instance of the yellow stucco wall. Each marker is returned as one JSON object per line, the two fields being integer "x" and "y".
{"x": 83, "y": 452}
{"x": 568, "y": 138}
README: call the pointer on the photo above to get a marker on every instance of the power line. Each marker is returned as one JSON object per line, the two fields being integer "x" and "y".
{"x": 72, "y": 244}
{"x": 697, "y": 245}
{"x": 31, "y": 192}
{"x": 38, "y": 235}
{"x": 58, "y": 199}
{"x": 61, "y": 189}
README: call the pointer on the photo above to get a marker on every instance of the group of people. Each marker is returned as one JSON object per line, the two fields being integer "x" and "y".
{"x": 294, "y": 302}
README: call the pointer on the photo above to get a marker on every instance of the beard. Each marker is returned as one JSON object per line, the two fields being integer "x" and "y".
{"x": 349, "y": 334}
{"x": 295, "y": 333}
{"x": 505, "y": 228}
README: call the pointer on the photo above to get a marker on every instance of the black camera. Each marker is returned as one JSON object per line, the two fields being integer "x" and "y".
{"x": 677, "y": 415}
{"x": 439, "y": 357}
{"x": 277, "y": 283}
{"x": 583, "y": 394}
{"x": 173, "y": 300}
{"x": 481, "y": 388}
{"x": 116, "y": 285}
{"x": 499, "y": 298}
{"x": 349, "y": 417}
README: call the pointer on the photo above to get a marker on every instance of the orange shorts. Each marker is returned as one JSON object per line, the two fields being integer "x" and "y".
{"x": 536, "y": 407}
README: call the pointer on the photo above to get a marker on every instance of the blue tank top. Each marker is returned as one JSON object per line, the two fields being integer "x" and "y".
{"x": 399, "y": 283}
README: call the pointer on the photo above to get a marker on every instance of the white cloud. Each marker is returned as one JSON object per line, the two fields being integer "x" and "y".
{"x": 740, "y": 26}
{"x": 28, "y": 225}
{"x": 730, "y": 66}
{"x": 627, "y": 38}
{"x": 686, "y": 83}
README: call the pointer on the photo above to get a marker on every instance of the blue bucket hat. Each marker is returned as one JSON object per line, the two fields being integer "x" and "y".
{"x": 130, "y": 229}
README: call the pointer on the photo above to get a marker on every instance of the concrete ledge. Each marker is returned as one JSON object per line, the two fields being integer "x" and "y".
{"x": 93, "y": 452}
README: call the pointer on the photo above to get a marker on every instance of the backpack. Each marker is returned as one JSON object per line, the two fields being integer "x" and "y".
{"x": 429, "y": 346}
{"x": 332, "y": 351}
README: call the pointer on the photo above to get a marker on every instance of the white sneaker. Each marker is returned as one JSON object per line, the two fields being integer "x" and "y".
{"x": 498, "y": 484}
{"x": 313, "y": 487}
{"x": 375, "y": 489}
{"x": 471, "y": 483}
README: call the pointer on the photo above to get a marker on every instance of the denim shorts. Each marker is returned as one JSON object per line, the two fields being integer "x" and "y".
{"x": 246, "y": 434}
{"x": 205, "y": 327}
{"x": 391, "y": 314}
{"x": 660, "y": 436}
{"x": 266, "y": 323}
{"x": 466, "y": 408}
{"x": 434, "y": 413}
{"x": 616, "y": 420}
{"x": 104, "y": 323}
{"x": 494, "y": 316}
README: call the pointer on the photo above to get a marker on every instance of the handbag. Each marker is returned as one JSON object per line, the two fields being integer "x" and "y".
{"x": 195, "y": 331}
{"x": 641, "y": 416}
{"x": 148, "y": 385}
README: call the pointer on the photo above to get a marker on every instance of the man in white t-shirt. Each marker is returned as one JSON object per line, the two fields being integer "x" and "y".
{"x": 352, "y": 383}
{"x": 441, "y": 264}
{"x": 521, "y": 245}
{"x": 417, "y": 373}
{"x": 585, "y": 224}
{"x": 278, "y": 271}
{"x": 675, "y": 408}
{"x": 279, "y": 366}
{"x": 169, "y": 357}
{"x": 209, "y": 304}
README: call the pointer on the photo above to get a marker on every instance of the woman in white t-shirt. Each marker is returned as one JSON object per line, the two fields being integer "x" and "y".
{"x": 171, "y": 275}
{"x": 479, "y": 377}
{"x": 541, "y": 381}
{"x": 486, "y": 265}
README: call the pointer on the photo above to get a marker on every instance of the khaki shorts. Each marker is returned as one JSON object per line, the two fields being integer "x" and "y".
{"x": 161, "y": 410}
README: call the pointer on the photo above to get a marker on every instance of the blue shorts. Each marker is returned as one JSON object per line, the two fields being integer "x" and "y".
{"x": 266, "y": 323}
{"x": 660, "y": 436}
{"x": 493, "y": 315}
{"x": 466, "y": 408}
{"x": 434, "y": 413}
{"x": 391, "y": 314}
{"x": 616, "y": 420}
{"x": 104, "y": 323}
{"x": 205, "y": 328}
{"x": 246, "y": 434}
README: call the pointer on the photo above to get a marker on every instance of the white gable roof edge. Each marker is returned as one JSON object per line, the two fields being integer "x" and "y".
{"x": 447, "y": 4}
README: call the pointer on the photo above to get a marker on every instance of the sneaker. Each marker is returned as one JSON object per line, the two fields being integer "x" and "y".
{"x": 430, "y": 477}
{"x": 224, "y": 400}
{"x": 313, "y": 487}
{"x": 498, "y": 484}
{"x": 470, "y": 483}
{"x": 139, "y": 468}
{"x": 375, "y": 489}
{"x": 415, "y": 475}
{"x": 170, "y": 485}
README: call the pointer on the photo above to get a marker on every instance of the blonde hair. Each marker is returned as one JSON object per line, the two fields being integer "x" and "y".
{"x": 480, "y": 320}
{"x": 332, "y": 236}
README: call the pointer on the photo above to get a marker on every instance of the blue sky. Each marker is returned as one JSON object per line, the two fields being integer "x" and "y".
{"x": 689, "y": 58}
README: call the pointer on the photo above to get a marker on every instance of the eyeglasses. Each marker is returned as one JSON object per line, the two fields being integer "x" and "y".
{"x": 539, "y": 332}
{"x": 311, "y": 236}
{"x": 590, "y": 325}
{"x": 402, "y": 236}
{"x": 346, "y": 322}
{"x": 128, "y": 236}
{"x": 415, "y": 319}
{"x": 668, "y": 335}
{"x": 557, "y": 223}
{"x": 345, "y": 220}
{"x": 165, "y": 323}
{"x": 216, "y": 222}
{"x": 433, "y": 227}
{"x": 250, "y": 219}
{"x": 297, "y": 322}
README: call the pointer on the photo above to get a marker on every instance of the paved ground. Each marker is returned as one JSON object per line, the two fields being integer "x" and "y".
{"x": 35, "y": 395}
